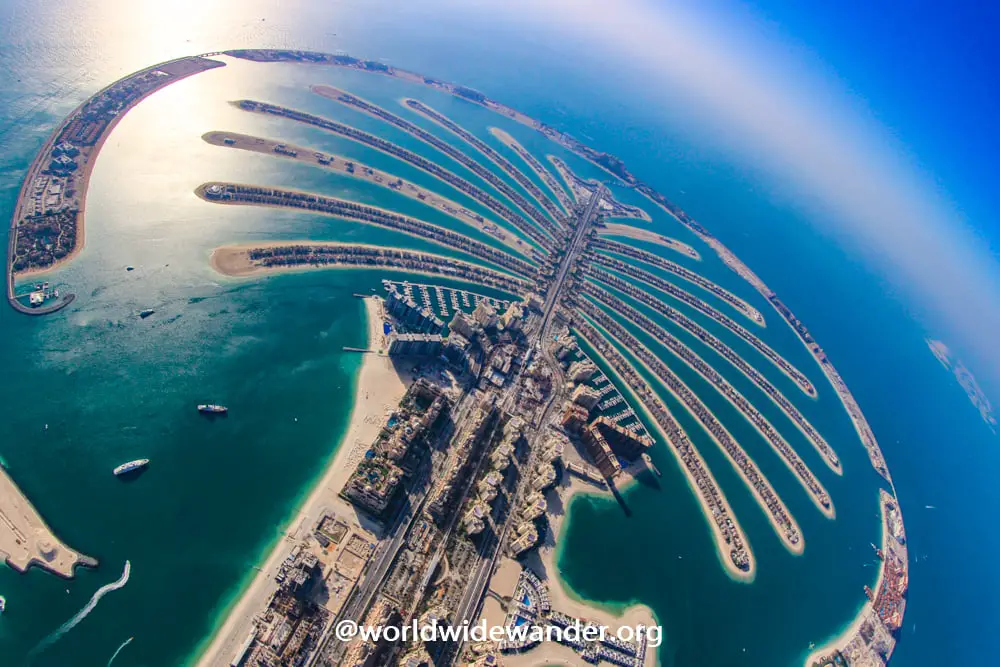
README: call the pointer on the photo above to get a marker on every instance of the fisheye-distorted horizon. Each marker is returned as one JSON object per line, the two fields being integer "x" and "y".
{"x": 756, "y": 91}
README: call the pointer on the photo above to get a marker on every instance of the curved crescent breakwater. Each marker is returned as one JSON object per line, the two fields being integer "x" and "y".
{"x": 570, "y": 270}
{"x": 52, "y": 200}
{"x": 616, "y": 168}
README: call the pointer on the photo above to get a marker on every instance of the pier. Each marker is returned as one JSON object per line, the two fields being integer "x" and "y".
{"x": 26, "y": 540}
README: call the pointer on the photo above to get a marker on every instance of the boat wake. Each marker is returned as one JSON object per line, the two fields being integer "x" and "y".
{"x": 124, "y": 644}
{"x": 82, "y": 614}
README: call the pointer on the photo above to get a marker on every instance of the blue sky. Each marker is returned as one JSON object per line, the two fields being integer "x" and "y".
{"x": 875, "y": 120}
{"x": 929, "y": 72}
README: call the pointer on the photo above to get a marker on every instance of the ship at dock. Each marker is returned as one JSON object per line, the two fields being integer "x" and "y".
{"x": 212, "y": 409}
{"x": 130, "y": 466}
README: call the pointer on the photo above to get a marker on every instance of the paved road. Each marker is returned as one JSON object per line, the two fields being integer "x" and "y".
{"x": 372, "y": 581}
{"x": 473, "y": 595}
{"x": 469, "y": 606}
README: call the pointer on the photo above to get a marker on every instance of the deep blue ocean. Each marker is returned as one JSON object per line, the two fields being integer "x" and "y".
{"x": 93, "y": 386}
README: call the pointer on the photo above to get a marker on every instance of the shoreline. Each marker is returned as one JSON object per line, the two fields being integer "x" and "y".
{"x": 378, "y": 388}
{"x": 841, "y": 640}
{"x": 734, "y": 573}
{"x": 233, "y": 261}
{"x": 557, "y": 191}
{"x": 544, "y": 562}
{"x": 85, "y": 170}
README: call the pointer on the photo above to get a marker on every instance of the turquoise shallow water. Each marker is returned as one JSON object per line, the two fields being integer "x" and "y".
{"x": 112, "y": 387}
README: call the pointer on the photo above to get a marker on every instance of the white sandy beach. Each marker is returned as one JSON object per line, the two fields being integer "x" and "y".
{"x": 379, "y": 389}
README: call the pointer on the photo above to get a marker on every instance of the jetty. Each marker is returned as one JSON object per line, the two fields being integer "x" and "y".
{"x": 26, "y": 540}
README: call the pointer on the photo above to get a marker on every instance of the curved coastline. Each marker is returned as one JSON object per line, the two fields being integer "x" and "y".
{"x": 377, "y": 387}
{"x": 196, "y": 65}
{"x": 609, "y": 164}
{"x": 544, "y": 175}
{"x": 616, "y": 168}
{"x": 810, "y": 484}
{"x": 589, "y": 332}
{"x": 790, "y": 535}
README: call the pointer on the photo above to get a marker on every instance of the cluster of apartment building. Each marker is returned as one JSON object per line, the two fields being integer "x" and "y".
{"x": 497, "y": 469}
{"x": 461, "y": 458}
{"x": 542, "y": 476}
{"x": 531, "y": 612}
{"x": 378, "y": 478}
{"x": 313, "y": 583}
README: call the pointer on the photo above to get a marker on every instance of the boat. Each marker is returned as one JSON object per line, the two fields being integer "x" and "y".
{"x": 211, "y": 409}
{"x": 146, "y": 313}
{"x": 130, "y": 466}
{"x": 3, "y": 604}
{"x": 649, "y": 462}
